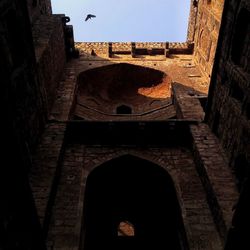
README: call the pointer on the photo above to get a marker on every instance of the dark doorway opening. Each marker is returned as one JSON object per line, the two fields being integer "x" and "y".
{"x": 135, "y": 192}
{"x": 123, "y": 109}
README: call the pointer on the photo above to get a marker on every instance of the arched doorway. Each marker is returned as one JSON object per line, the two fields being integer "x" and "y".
{"x": 136, "y": 196}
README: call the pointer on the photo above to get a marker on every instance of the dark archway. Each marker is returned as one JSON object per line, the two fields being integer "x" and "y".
{"x": 135, "y": 190}
{"x": 123, "y": 109}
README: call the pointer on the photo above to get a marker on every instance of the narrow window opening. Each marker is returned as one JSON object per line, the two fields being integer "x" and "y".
{"x": 126, "y": 228}
{"x": 123, "y": 109}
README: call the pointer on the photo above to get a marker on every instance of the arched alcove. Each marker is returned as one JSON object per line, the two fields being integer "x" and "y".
{"x": 113, "y": 86}
{"x": 137, "y": 192}
{"x": 123, "y": 109}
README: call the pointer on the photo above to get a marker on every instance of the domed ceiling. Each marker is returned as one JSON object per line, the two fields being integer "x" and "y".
{"x": 135, "y": 89}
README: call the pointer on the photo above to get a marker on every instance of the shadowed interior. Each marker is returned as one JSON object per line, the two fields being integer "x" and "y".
{"x": 134, "y": 190}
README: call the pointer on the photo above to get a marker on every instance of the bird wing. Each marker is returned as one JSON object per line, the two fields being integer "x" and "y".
{"x": 89, "y": 16}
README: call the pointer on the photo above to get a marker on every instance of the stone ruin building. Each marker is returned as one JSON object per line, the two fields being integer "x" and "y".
{"x": 125, "y": 145}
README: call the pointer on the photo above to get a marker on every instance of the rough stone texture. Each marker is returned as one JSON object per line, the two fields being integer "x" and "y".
{"x": 48, "y": 36}
{"x": 188, "y": 85}
{"x": 142, "y": 89}
{"x": 36, "y": 78}
{"x": 66, "y": 92}
{"x": 37, "y": 8}
{"x": 101, "y": 50}
{"x": 192, "y": 21}
{"x": 44, "y": 174}
{"x": 65, "y": 227}
{"x": 187, "y": 103}
{"x": 207, "y": 27}
{"x": 79, "y": 161}
{"x": 66, "y": 219}
{"x": 179, "y": 68}
{"x": 228, "y": 108}
{"x": 220, "y": 189}
{"x": 23, "y": 121}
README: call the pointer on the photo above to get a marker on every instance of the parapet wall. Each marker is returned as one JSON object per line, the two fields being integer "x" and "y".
{"x": 109, "y": 49}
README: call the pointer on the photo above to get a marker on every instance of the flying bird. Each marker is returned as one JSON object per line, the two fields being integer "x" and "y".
{"x": 89, "y": 16}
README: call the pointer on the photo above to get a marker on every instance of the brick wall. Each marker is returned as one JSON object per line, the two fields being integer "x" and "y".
{"x": 48, "y": 37}
{"x": 228, "y": 108}
{"x": 37, "y": 8}
{"x": 101, "y": 49}
{"x": 22, "y": 124}
{"x": 80, "y": 160}
{"x": 207, "y": 28}
{"x": 229, "y": 96}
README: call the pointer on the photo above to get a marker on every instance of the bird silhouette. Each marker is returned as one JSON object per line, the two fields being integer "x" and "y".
{"x": 89, "y": 16}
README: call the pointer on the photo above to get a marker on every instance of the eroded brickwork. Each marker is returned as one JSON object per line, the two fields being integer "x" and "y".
{"x": 207, "y": 27}
{"x": 228, "y": 114}
{"x": 187, "y": 87}
{"x": 37, "y": 8}
{"x": 211, "y": 159}
{"x": 228, "y": 108}
{"x": 105, "y": 104}
{"x": 48, "y": 37}
{"x": 79, "y": 161}
{"x": 23, "y": 121}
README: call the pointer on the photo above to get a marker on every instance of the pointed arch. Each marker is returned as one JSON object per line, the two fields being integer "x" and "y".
{"x": 131, "y": 189}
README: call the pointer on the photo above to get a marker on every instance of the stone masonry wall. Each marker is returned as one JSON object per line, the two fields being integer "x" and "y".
{"x": 36, "y": 81}
{"x": 79, "y": 161}
{"x": 101, "y": 49}
{"x": 48, "y": 37}
{"x": 23, "y": 122}
{"x": 206, "y": 33}
{"x": 229, "y": 97}
{"x": 21, "y": 95}
{"x": 37, "y": 8}
{"x": 70, "y": 169}
{"x": 220, "y": 188}
{"x": 192, "y": 20}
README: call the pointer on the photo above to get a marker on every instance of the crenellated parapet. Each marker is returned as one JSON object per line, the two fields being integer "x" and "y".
{"x": 133, "y": 49}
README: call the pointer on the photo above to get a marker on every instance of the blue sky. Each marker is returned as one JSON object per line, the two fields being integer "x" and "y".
{"x": 126, "y": 20}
